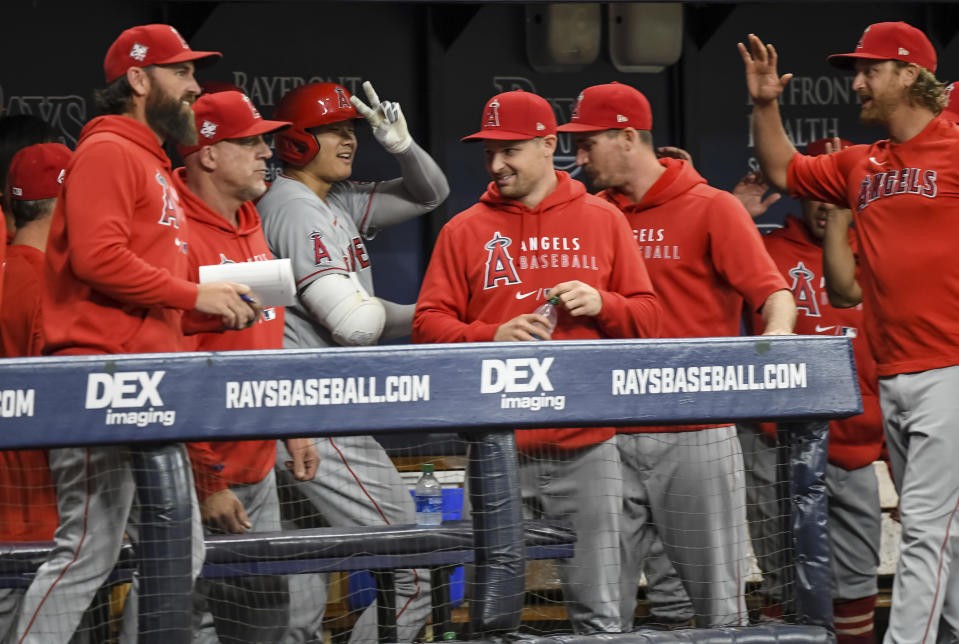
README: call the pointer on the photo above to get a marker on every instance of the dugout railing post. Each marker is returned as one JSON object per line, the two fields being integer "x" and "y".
{"x": 164, "y": 548}
{"x": 500, "y": 556}
{"x": 811, "y": 569}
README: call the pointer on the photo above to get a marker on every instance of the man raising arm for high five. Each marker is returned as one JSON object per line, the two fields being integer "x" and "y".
{"x": 904, "y": 198}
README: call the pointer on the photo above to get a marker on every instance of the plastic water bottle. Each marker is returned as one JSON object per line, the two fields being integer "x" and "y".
{"x": 548, "y": 310}
{"x": 429, "y": 498}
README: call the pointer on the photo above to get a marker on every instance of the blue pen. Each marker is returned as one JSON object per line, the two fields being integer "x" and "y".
{"x": 247, "y": 298}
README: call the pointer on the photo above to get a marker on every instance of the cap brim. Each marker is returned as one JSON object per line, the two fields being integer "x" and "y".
{"x": 198, "y": 58}
{"x": 261, "y": 127}
{"x": 847, "y": 61}
{"x": 500, "y": 135}
{"x": 583, "y": 127}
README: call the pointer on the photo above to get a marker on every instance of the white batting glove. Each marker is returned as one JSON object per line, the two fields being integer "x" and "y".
{"x": 386, "y": 119}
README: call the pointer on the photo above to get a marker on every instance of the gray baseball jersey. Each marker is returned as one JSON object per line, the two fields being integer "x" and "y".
{"x": 328, "y": 237}
{"x": 320, "y": 238}
{"x": 357, "y": 483}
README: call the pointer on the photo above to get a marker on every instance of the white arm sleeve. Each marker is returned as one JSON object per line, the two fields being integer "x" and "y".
{"x": 341, "y": 304}
{"x": 399, "y": 319}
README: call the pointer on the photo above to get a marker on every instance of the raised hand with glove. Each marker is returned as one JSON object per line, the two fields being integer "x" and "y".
{"x": 387, "y": 120}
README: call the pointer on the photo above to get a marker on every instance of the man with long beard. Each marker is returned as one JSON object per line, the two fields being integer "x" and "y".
{"x": 116, "y": 273}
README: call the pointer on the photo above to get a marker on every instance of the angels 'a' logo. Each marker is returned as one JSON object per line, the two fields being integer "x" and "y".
{"x": 579, "y": 100}
{"x": 492, "y": 114}
{"x": 342, "y": 103}
{"x": 862, "y": 38}
{"x": 62, "y": 175}
{"x": 171, "y": 203}
{"x": 177, "y": 34}
{"x": 499, "y": 264}
{"x": 208, "y": 129}
{"x": 320, "y": 254}
{"x": 948, "y": 93}
{"x": 803, "y": 291}
{"x": 253, "y": 110}
{"x": 226, "y": 260}
{"x": 138, "y": 52}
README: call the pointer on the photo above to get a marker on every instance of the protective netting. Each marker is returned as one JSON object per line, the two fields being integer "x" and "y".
{"x": 118, "y": 510}
{"x": 662, "y": 540}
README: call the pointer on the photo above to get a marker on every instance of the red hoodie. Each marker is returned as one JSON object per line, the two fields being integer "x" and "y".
{"x": 21, "y": 317}
{"x": 3, "y": 251}
{"x": 494, "y": 261}
{"x": 853, "y": 442}
{"x": 28, "y": 499}
{"x": 214, "y": 240}
{"x": 704, "y": 256}
{"x": 116, "y": 261}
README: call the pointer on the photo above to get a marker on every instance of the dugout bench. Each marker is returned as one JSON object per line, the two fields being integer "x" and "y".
{"x": 379, "y": 549}
{"x": 483, "y": 390}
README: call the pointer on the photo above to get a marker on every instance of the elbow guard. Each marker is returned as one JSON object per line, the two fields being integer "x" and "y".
{"x": 341, "y": 304}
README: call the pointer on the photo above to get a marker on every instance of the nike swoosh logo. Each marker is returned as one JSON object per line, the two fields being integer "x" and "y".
{"x": 523, "y": 296}
{"x": 873, "y": 159}
{"x": 820, "y": 329}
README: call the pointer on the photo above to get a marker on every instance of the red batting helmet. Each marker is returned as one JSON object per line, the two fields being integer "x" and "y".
{"x": 306, "y": 107}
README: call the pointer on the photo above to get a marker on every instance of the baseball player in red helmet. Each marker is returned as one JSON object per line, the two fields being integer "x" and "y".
{"x": 490, "y": 268}
{"x": 319, "y": 219}
{"x": 905, "y": 203}
{"x": 117, "y": 282}
{"x": 235, "y": 481}
{"x": 855, "y": 516}
{"x": 705, "y": 258}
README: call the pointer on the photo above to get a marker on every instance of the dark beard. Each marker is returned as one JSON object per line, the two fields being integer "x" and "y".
{"x": 168, "y": 117}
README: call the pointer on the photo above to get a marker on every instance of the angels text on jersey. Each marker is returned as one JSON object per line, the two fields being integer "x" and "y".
{"x": 911, "y": 181}
{"x": 647, "y": 239}
{"x": 534, "y": 253}
{"x": 355, "y": 259}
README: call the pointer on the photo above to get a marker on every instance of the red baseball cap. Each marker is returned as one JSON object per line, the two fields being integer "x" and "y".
{"x": 890, "y": 41}
{"x": 951, "y": 110}
{"x": 515, "y": 116}
{"x": 37, "y": 171}
{"x": 818, "y": 146}
{"x": 150, "y": 45}
{"x": 227, "y": 115}
{"x": 613, "y": 106}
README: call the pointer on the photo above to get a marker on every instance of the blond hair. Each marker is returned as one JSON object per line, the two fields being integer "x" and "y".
{"x": 927, "y": 91}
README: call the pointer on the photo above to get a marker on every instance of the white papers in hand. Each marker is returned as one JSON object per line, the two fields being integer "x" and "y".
{"x": 271, "y": 281}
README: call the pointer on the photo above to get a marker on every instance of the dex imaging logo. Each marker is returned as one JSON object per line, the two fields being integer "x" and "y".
{"x": 131, "y": 390}
{"x": 520, "y": 376}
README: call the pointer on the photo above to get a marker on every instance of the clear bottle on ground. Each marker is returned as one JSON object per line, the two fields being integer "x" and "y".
{"x": 548, "y": 310}
{"x": 429, "y": 498}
